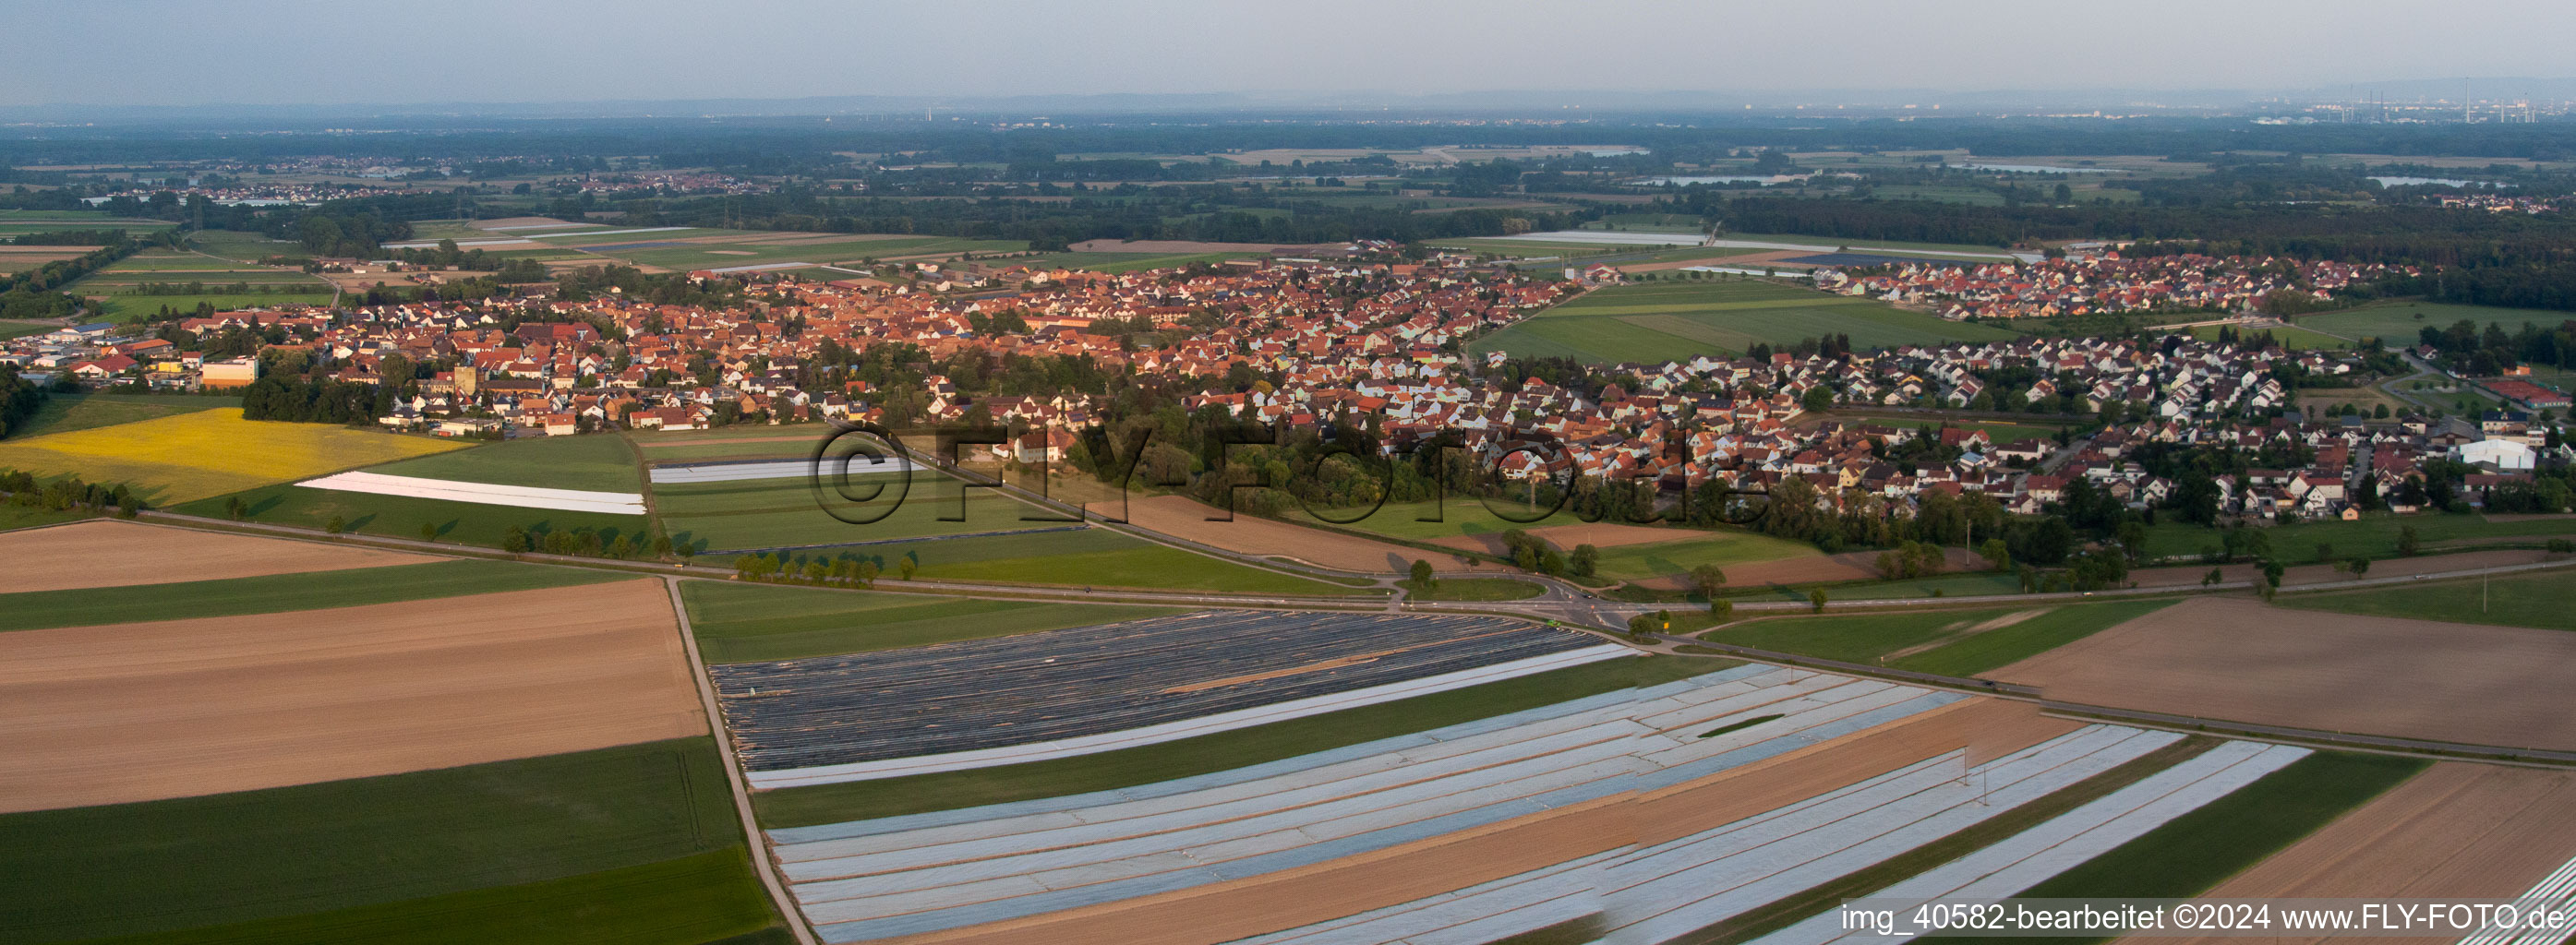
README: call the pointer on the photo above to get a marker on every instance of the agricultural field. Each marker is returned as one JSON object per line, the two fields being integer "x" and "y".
{"x": 2197, "y": 850}
{"x": 2545, "y": 599}
{"x": 2375, "y": 534}
{"x": 346, "y": 582}
{"x": 321, "y": 754}
{"x": 64, "y": 413}
{"x": 188, "y": 456}
{"x": 625, "y": 844}
{"x": 2002, "y": 432}
{"x": 1675, "y": 321}
{"x": 1948, "y": 642}
{"x": 922, "y": 793}
{"x": 1117, "y": 262}
{"x": 112, "y": 553}
{"x": 394, "y": 516}
{"x": 116, "y": 286}
{"x": 2236, "y": 658}
{"x": 354, "y": 690}
{"x": 2456, "y": 829}
{"x": 2398, "y": 323}
{"x": 741, "y": 623}
{"x": 593, "y": 463}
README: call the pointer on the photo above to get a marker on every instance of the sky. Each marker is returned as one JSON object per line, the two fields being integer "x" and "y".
{"x": 175, "y": 53}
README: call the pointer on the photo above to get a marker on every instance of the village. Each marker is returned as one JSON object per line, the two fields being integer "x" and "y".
{"x": 2106, "y": 282}
{"x": 1307, "y": 345}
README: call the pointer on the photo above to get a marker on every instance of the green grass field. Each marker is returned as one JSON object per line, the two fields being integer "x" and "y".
{"x": 27, "y": 516}
{"x": 243, "y": 247}
{"x": 1721, "y": 548}
{"x": 743, "y": 623}
{"x": 821, "y": 250}
{"x": 1669, "y": 321}
{"x": 833, "y": 803}
{"x": 397, "y": 844}
{"x": 1120, "y": 262}
{"x": 63, "y": 413}
{"x": 464, "y": 523}
{"x": 2001, "y": 432}
{"x": 597, "y": 462}
{"x": 2199, "y": 849}
{"x": 782, "y": 513}
{"x": 2375, "y": 534}
{"x": 2397, "y": 324}
{"x": 10, "y": 330}
{"x": 705, "y": 899}
{"x": 275, "y": 593}
{"x": 2546, "y": 600}
{"x": 1946, "y": 642}
{"x": 135, "y": 308}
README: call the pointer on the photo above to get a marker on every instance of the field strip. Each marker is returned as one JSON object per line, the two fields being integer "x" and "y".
{"x": 2557, "y": 892}
{"x": 526, "y": 497}
{"x": 538, "y": 226}
{"x": 176, "y": 708}
{"x": 648, "y": 229}
{"x": 1665, "y": 892}
{"x": 2032, "y": 856}
{"x": 109, "y": 553}
{"x": 1172, "y": 731}
{"x": 744, "y": 470}
{"x": 467, "y": 244}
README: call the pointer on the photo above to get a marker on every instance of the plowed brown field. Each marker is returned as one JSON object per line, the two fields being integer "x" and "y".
{"x": 135, "y": 712}
{"x": 2238, "y": 659}
{"x": 2457, "y": 831}
{"x": 107, "y": 553}
{"x": 1186, "y": 519}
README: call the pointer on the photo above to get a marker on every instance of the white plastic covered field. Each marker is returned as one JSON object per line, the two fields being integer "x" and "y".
{"x": 528, "y": 497}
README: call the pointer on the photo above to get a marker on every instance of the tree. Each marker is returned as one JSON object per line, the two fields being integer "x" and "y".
{"x": 867, "y": 572}
{"x": 336, "y": 525}
{"x": 1645, "y": 625}
{"x": 905, "y": 566}
{"x": 2360, "y": 565}
{"x": 429, "y": 531}
{"x": 1708, "y": 580}
{"x": 2213, "y": 577}
{"x": 1587, "y": 560}
{"x": 2407, "y": 542}
{"x": 1816, "y": 599}
{"x": 1997, "y": 553}
{"x": 1721, "y": 610}
{"x": 1818, "y": 399}
{"x": 1421, "y": 574}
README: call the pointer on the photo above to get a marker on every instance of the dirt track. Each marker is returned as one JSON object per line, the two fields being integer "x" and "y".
{"x": 2241, "y": 660}
{"x": 2187, "y": 575}
{"x": 134, "y": 712}
{"x": 2456, "y": 831}
{"x": 1290, "y": 898}
{"x": 108, "y": 553}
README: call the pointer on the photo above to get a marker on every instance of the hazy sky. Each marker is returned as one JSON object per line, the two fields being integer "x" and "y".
{"x": 163, "y": 52}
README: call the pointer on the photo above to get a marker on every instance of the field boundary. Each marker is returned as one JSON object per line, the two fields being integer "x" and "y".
{"x": 763, "y": 860}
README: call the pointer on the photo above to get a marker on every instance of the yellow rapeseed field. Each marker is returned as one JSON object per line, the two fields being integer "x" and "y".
{"x": 208, "y": 453}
